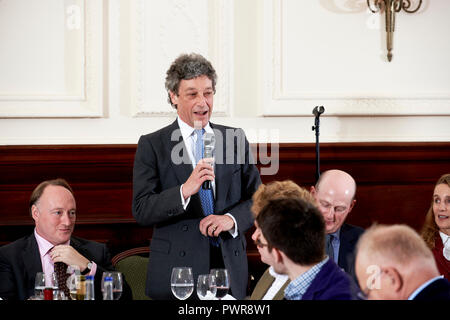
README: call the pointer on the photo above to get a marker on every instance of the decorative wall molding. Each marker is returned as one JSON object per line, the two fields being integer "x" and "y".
{"x": 83, "y": 25}
{"x": 160, "y": 31}
{"x": 284, "y": 98}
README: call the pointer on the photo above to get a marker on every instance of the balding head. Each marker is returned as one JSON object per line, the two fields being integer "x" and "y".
{"x": 392, "y": 262}
{"x": 334, "y": 192}
{"x": 339, "y": 181}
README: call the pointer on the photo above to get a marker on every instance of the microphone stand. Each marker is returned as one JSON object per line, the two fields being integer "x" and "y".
{"x": 317, "y": 111}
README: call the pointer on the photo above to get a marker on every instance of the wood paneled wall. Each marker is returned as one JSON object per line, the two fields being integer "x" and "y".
{"x": 395, "y": 184}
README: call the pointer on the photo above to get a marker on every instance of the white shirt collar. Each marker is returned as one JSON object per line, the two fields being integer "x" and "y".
{"x": 274, "y": 274}
{"x": 277, "y": 284}
{"x": 187, "y": 130}
{"x": 444, "y": 238}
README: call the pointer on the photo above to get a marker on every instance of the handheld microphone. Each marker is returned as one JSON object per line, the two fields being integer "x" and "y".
{"x": 208, "y": 143}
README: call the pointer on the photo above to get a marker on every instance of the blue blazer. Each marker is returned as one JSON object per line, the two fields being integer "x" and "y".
{"x": 176, "y": 239}
{"x": 331, "y": 283}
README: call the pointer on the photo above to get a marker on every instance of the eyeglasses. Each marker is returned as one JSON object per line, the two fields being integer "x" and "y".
{"x": 259, "y": 244}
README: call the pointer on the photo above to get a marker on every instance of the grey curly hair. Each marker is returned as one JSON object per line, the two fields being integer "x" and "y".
{"x": 186, "y": 67}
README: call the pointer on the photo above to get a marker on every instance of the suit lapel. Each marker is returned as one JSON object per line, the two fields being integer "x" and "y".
{"x": 176, "y": 143}
{"x": 32, "y": 262}
{"x": 263, "y": 285}
{"x": 222, "y": 171}
{"x": 345, "y": 251}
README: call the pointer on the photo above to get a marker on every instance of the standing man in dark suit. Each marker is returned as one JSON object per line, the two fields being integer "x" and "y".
{"x": 335, "y": 196}
{"x": 394, "y": 263}
{"x": 53, "y": 208}
{"x": 194, "y": 226}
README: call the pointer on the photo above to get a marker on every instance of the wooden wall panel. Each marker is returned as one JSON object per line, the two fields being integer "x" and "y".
{"x": 395, "y": 183}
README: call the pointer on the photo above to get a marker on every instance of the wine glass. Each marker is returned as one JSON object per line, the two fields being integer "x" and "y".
{"x": 204, "y": 289}
{"x": 182, "y": 282}
{"x": 52, "y": 286}
{"x": 45, "y": 285}
{"x": 39, "y": 285}
{"x": 220, "y": 282}
{"x": 77, "y": 286}
{"x": 117, "y": 283}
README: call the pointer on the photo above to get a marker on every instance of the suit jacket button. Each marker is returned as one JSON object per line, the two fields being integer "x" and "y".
{"x": 182, "y": 253}
{"x": 185, "y": 228}
{"x": 236, "y": 253}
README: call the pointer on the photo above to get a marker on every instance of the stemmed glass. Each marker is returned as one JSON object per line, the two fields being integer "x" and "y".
{"x": 182, "y": 282}
{"x": 77, "y": 286}
{"x": 44, "y": 288}
{"x": 39, "y": 285}
{"x": 204, "y": 289}
{"x": 117, "y": 283}
{"x": 220, "y": 282}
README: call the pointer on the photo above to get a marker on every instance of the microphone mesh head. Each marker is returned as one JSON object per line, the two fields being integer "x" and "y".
{"x": 208, "y": 141}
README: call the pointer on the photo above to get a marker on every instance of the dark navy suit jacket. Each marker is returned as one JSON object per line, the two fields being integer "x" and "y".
{"x": 348, "y": 238}
{"x": 331, "y": 283}
{"x": 437, "y": 290}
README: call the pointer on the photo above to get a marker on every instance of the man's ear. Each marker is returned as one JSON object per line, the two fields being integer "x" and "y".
{"x": 352, "y": 205}
{"x": 393, "y": 277}
{"x": 34, "y": 212}
{"x": 278, "y": 255}
{"x": 173, "y": 98}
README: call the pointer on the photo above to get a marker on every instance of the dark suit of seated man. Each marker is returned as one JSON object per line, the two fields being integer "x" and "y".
{"x": 53, "y": 208}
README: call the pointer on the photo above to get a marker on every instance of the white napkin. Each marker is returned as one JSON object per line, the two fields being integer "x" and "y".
{"x": 209, "y": 296}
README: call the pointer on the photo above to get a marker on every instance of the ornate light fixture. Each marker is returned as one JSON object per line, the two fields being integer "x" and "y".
{"x": 390, "y": 7}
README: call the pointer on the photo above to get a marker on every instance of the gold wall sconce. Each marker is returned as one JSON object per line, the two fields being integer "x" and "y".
{"x": 390, "y": 7}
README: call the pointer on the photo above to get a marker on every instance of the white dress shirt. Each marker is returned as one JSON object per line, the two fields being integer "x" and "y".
{"x": 280, "y": 280}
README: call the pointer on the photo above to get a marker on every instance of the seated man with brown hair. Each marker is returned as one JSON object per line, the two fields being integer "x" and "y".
{"x": 291, "y": 238}
{"x": 51, "y": 246}
{"x": 271, "y": 285}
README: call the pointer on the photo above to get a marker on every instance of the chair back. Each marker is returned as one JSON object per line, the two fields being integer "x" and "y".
{"x": 133, "y": 264}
